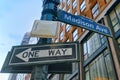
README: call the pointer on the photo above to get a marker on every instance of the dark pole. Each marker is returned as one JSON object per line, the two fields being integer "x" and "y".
{"x": 49, "y": 13}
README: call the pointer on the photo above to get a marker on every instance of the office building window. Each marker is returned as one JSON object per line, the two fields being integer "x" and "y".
{"x": 115, "y": 18}
{"x": 68, "y": 2}
{"x": 118, "y": 10}
{"x": 67, "y": 27}
{"x": 118, "y": 40}
{"x": 61, "y": 35}
{"x": 61, "y": 24}
{"x": 64, "y": 1}
{"x": 95, "y": 10}
{"x": 92, "y": 44}
{"x": 56, "y": 40}
{"x": 82, "y": 6}
{"x": 75, "y": 35}
{"x": 68, "y": 40}
{"x": 75, "y": 13}
{"x": 69, "y": 11}
{"x": 101, "y": 68}
{"x": 74, "y": 4}
{"x": 64, "y": 8}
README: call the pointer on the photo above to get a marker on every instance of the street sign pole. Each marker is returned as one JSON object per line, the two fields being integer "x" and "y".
{"x": 48, "y": 13}
{"x": 40, "y": 72}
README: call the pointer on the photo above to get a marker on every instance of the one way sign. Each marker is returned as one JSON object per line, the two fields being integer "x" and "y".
{"x": 44, "y": 54}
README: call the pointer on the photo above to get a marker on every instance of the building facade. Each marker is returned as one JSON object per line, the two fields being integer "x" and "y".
{"x": 25, "y": 41}
{"x": 99, "y": 54}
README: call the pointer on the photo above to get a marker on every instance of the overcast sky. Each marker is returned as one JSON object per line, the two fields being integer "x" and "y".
{"x": 16, "y": 18}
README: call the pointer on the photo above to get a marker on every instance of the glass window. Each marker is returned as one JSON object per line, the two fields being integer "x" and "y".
{"x": 118, "y": 10}
{"x": 68, "y": 40}
{"x": 61, "y": 35}
{"x": 61, "y": 24}
{"x": 56, "y": 40}
{"x": 75, "y": 35}
{"x": 74, "y": 4}
{"x": 82, "y": 6}
{"x": 109, "y": 66}
{"x": 68, "y": 2}
{"x": 64, "y": 8}
{"x": 115, "y": 18}
{"x": 67, "y": 27}
{"x": 118, "y": 40}
{"x": 69, "y": 10}
{"x": 74, "y": 66}
{"x": 101, "y": 68}
{"x": 87, "y": 74}
{"x": 75, "y": 13}
{"x": 92, "y": 44}
{"x": 95, "y": 10}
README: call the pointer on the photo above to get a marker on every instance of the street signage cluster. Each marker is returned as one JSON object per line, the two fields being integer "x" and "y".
{"x": 83, "y": 22}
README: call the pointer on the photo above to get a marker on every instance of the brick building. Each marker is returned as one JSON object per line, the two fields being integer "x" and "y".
{"x": 99, "y": 55}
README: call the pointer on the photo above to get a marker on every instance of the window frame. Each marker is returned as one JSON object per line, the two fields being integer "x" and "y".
{"x": 82, "y": 6}
{"x": 74, "y": 4}
{"x": 115, "y": 16}
{"x": 95, "y": 10}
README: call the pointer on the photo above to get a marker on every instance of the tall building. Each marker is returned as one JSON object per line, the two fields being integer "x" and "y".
{"x": 25, "y": 41}
{"x": 99, "y": 54}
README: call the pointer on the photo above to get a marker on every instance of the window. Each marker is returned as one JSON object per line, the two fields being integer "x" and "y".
{"x": 118, "y": 10}
{"x": 101, "y": 68}
{"x": 69, "y": 10}
{"x": 95, "y": 10}
{"x": 56, "y": 40}
{"x": 68, "y": 2}
{"x": 74, "y": 4}
{"x": 64, "y": 8}
{"x": 68, "y": 40}
{"x": 61, "y": 35}
{"x": 75, "y": 35}
{"x": 61, "y": 24}
{"x": 115, "y": 18}
{"x": 75, "y": 13}
{"x": 67, "y": 27}
{"x": 118, "y": 40}
{"x": 92, "y": 44}
{"x": 82, "y": 6}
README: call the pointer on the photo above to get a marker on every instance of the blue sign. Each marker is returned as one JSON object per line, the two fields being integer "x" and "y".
{"x": 83, "y": 22}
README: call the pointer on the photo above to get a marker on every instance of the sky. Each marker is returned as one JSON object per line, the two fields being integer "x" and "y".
{"x": 16, "y": 18}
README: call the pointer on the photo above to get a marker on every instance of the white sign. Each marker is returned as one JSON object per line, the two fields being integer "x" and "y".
{"x": 44, "y": 54}
{"x": 27, "y": 54}
{"x": 45, "y": 29}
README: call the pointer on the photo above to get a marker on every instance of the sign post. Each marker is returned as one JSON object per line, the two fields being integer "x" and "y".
{"x": 48, "y": 13}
